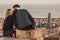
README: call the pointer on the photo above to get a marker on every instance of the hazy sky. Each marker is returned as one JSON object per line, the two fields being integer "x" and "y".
{"x": 30, "y": 1}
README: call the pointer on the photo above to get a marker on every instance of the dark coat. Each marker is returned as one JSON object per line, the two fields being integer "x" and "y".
{"x": 8, "y": 33}
{"x": 8, "y": 23}
{"x": 8, "y": 26}
{"x": 23, "y": 19}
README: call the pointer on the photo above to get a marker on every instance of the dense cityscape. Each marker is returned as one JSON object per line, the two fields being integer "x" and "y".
{"x": 49, "y": 27}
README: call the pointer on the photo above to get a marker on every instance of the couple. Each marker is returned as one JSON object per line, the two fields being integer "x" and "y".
{"x": 19, "y": 19}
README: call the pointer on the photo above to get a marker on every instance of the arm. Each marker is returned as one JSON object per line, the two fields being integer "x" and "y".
{"x": 31, "y": 19}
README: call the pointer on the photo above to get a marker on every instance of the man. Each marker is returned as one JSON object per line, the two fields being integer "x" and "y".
{"x": 22, "y": 19}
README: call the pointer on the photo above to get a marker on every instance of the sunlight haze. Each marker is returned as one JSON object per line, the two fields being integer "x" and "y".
{"x": 29, "y": 1}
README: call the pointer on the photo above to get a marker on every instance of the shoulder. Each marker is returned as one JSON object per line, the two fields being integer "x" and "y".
{"x": 23, "y": 10}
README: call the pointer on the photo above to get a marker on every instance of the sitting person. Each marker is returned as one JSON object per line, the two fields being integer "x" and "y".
{"x": 8, "y": 24}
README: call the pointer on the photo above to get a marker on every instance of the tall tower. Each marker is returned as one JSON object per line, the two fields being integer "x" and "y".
{"x": 49, "y": 20}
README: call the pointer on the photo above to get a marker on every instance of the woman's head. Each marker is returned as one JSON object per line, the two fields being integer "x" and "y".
{"x": 9, "y": 12}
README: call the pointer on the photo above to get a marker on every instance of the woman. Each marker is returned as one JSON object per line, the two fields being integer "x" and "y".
{"x": 8, "y": 24}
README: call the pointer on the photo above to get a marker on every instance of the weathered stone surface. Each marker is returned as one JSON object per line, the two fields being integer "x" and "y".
{"x": 29, "y": 34}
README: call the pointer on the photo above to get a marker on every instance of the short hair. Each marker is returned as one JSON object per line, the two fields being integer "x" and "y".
{"x": 16, "y": 5}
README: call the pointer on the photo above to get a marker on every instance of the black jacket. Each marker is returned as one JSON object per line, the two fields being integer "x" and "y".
{"x": 8, "y": 26}
{"x": 8, "y": 23}
{"x": 23, "y": 19}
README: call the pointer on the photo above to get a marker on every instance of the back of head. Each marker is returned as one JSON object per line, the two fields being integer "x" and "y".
{"x": 16, "y": 6}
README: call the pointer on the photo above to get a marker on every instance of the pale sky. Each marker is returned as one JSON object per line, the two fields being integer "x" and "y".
{"x": 29, "y": 1}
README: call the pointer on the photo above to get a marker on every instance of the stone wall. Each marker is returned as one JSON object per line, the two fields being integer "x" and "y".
{"x": 32, "y": 34}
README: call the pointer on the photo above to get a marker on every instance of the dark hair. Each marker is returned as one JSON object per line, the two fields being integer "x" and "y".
{"x": 8, "y": 9}
{"x": 16, "y": 5}
{"x": 8, "y": 13}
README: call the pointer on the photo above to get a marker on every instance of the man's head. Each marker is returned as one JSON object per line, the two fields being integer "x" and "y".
{"x": 16, "y": 6}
